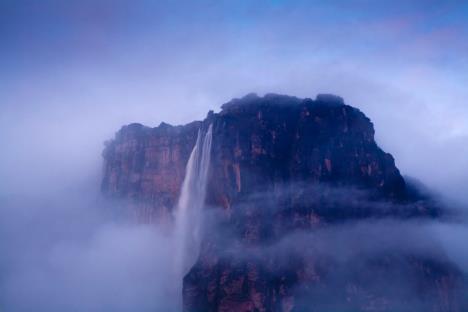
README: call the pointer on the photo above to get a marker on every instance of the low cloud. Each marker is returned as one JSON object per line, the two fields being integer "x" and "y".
{"x": 69, "y": 254}
{"x": 381, "y": 257}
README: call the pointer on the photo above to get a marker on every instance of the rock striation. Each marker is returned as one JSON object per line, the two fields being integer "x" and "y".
{"x": 285, "y": 174}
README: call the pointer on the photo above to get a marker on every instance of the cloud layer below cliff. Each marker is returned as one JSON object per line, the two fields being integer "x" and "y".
{"x": 76, "y": 251}
{"x": 66, "y": 253}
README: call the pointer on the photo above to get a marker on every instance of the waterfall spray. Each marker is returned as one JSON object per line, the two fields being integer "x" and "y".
{"x": 191, "y": 201}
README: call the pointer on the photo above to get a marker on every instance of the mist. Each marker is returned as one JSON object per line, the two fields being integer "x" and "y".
{"x": 78, "y": 251}
{"x": 74, "y": 251}
{"x": 74, "y": 72}
{"x": 353, "y": 222}
{"x": 381, "y": 255}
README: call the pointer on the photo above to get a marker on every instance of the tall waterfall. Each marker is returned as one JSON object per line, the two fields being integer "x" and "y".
{"x": 191, "y": 201}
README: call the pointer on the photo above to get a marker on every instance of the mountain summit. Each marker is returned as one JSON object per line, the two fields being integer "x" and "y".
{"x": 304, "y": 211}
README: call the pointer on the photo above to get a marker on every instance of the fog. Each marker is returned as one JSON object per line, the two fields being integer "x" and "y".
{"x": 74, "y": 72}
{"x": 72, "y": 251}
{"x": 77, "y": 251}
{"x": 379, "y": 255}
{"x": 353, "y": 221}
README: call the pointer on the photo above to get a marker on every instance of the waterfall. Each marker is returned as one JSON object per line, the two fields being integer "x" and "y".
{"x": 190, "y": 205}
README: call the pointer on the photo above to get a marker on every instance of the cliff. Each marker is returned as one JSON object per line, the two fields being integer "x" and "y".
{"x": 146, "y": 166}
{"x": 283, "y": 170}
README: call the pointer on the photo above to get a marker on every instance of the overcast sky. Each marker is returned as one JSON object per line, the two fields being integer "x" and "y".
{"x": 73, "y": 72}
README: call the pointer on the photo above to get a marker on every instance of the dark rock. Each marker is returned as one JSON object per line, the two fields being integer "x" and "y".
{"x": 280, "y": 165}
{"x": 330, "y": 99}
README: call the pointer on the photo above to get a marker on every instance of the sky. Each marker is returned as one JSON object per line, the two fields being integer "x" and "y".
{"x": 73, "y": 72}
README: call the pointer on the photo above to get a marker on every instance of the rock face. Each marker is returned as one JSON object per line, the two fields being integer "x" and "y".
{"x": 147, "y": 166}
{"x": 298, "y": 190}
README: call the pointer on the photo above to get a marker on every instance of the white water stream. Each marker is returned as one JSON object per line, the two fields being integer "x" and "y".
{"x": 189, "y": 208}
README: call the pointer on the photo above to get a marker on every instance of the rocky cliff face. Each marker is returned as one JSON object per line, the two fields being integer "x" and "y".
{"x": 146, "y": 166}
{"x": 285, "y": 172}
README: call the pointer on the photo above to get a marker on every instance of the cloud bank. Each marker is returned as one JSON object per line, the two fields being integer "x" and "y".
{"x": 71, "y": 252}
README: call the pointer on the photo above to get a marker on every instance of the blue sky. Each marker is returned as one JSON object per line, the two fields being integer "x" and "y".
{"x": 73, "y": 72}
{"x": 41, "y": 35}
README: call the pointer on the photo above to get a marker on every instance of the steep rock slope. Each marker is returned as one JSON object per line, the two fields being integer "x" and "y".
{"x": 284, "y": 171}
{"x": 146, "y": 167}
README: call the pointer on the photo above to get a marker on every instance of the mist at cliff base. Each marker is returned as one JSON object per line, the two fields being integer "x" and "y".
{"x": 77, "y": 251}
{"x": 71, "y": 252}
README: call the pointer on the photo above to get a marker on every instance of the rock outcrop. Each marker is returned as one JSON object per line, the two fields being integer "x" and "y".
{"x": 284, "y": 171}
{"x": 146, "y": 167}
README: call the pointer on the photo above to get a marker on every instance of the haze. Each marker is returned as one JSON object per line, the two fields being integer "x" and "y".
{"x": 73, "y": 72}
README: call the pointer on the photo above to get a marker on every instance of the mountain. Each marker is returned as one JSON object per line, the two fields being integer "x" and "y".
{"x": 304, "y": 211}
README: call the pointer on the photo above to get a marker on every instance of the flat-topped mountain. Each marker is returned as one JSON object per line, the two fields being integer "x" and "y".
{"x": 285, "y": 174}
